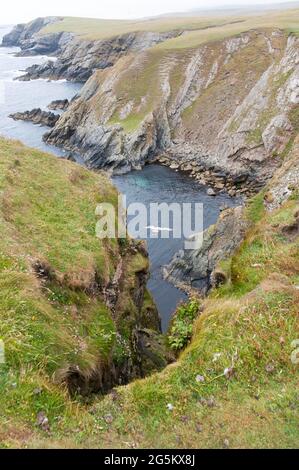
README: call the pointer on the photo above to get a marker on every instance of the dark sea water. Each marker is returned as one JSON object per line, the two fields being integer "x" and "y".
{"x": 153, "y": 184}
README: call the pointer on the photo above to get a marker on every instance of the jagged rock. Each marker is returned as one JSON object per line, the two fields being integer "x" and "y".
{"x": 12, "y": 39}
{"x": 196, "y": 268}
{"x": 152, "y": 350}
{"x": 285, "y": 181}
{"x": 27, "y": 38}
{"x": 211, "y": 192}
{"x": 59, "y": 105}
{"x": 277, "y": 133}
{"x": 78, "y": 58}
{"x": 37, "y": 116}
{"x": 244, "y": 137}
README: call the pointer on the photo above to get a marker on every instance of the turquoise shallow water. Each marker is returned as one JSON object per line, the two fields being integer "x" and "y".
{"x": 157, "y": 184}
{"x": 154, "y": 184}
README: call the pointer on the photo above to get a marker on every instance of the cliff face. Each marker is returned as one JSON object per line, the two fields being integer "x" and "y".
{"x": 78, "y": 58}
{"x": 220, "y": 111}
{"x": 28, "y": 38}
{"x": 206, "y": 268}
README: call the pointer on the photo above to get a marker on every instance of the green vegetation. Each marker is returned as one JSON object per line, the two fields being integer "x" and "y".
{"x": 199, "y": 29}
{"x": 182, "y": 325}
{"x": 234, "y": 385}
{"x": 53, "y": 315}
{"x": 96, "y": 29}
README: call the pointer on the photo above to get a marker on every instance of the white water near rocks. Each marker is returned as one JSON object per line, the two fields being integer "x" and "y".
{"x": 153, "y": 184}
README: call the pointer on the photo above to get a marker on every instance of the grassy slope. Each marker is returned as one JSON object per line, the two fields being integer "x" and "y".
{"x": 47, "y": 217}
{"x": 251, "y": 323}
{"x": 201, "y": 29}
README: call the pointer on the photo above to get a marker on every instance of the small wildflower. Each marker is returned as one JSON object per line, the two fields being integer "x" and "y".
{"x": 216, "y": 357}
{"x": 170, "y": 407}
{"x": 229, "y": 372}
{"x": 200, "y": 379}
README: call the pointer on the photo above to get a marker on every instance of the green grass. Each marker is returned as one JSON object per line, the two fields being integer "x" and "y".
{"x": 200, "y": 29}
{"x": 257, "y": 407}
{"x": 236, "y": 26}
{"x": 47, "y": 219}
{"x": 56, "y": 320}
{"x": 96, "y": 29}
{"x": 247, "y": 326}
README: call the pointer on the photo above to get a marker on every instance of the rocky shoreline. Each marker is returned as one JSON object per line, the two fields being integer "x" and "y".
{"x": 216, "y": 179}
{"x": 198, "y": 269}
{"x": 228, "y": 151}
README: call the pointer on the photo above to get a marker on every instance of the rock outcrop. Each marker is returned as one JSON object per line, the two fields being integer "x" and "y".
{"x": 37, "y": 116}
{"x": 219, "y": 111}
{"x": 197, "y": 269}
{"x": 202, "y": 269}
{"x": 61, "y": 105}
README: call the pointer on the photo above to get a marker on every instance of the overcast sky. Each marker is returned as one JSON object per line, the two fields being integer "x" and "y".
{"x": 14, "y": 11}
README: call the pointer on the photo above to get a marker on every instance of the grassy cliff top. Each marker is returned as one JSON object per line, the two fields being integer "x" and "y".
{"x": 198, "y": 29}
{"x": 50, "y": 258}
{"x": 53, "y": 315}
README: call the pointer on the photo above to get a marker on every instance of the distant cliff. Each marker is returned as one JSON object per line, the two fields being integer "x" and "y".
{"x": 28, "y": 38}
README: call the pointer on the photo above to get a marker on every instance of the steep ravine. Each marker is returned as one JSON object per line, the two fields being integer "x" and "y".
{"x": 236, "y": 373}
{"x": 55, "y": 271}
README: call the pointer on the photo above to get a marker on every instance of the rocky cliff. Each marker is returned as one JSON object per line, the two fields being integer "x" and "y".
{"x": 205, "y": 268}
{"x": 29, "y": 38}
{"x": 219, "y": 111}
{"x": 79, "y": 58}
